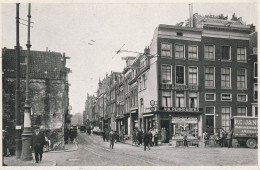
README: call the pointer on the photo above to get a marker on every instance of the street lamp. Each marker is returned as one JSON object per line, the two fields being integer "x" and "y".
{"x": 27, "y": 132}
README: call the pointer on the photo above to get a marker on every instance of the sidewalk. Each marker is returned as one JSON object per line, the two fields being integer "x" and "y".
{"x": 12, "y": 161}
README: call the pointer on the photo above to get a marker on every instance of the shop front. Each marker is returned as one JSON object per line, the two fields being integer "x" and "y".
{"x": 133, "y": 121}
{"x": 173, "y": 124}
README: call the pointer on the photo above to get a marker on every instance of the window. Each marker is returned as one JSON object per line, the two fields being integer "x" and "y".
{"x": 140, "y": 83}
{"x": 179, "y": 51}
{"x": 242, "y": 97}
{"x": 225, "y": 118}
{"x": 209, "y": 52}
{"x": 166, "y": 74}
{"x": 241, "y": 111}
{"x": 166, "y": 99}
{"x": 241, "y": 54}
{"x": 22, "y": 60}
{"x": 210, "y": 110}
{"x": 193, "y": 75}
{"x": 255, "y": 70}
{"x": 179, "y": 74}
{"x": 210, "y": 77}
{"x": 193, "y": 52}
{"x": 180, "y": 99}
{"x": 144, "y": 81}
{"x": 210, "y": 120}
{"x": 193, "y": 100}
{"x": 226, "y": 52}
{"x": 225, "y": 78}
{"x": 226, "y": 97}
{"x": 256, "y": 111}
{"x": 179, "y": 34}
{"x": 255, "y": 91}
{"x": 210, "y": 97}
{"x": 166, "y": 50}
{"x": 241, "y": 78}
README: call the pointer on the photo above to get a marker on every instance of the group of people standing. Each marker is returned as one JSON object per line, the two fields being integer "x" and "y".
{"x": 111, "y": 136}
{"x": 148, "y": 138}
{"x": 70, "y": 135}
{"x": 222, "y": 138}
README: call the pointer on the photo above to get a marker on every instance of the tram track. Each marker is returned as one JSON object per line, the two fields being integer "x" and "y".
{"x": 92, "y": 146}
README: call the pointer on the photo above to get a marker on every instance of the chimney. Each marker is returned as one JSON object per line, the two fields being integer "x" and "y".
{"x": 46, "y": 49}
{"x": 4, "y": 50}
{"x": 191, "y": 14}
{"x": 146, "y": 50}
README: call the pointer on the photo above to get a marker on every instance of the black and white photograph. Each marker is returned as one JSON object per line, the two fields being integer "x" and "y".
{"x": 131, "y": 84}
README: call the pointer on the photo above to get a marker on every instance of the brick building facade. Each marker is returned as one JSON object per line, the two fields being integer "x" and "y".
{"x": 191, "y": 79}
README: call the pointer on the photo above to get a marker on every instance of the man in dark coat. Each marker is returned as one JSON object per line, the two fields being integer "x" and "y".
{"x": 112, "y": 139}
{"x": 146, "y": 140}
{"x": 229, "y": 138}
{"x": 38, "y": 142}
{"x": 104, "y": 135}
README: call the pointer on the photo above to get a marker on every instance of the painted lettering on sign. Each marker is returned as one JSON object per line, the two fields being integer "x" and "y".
{"x": 179, "y": 87}
{"x": 180, "y": 109}
{"x": 244, "y": 126}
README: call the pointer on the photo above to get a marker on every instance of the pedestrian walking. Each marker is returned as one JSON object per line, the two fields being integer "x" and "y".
{"x": 185, "y": 142}
{"x": 139, "y": 137}
{"x": 48, "y": 144}
{"x": 153, "y": 133}
{"x": 150, "y": 138}
{"x": 104, "y": 135}
{"x": 146, "y": 140}
{"x": 66, "y": 136}
{"x": 229, "y": 138}
{"x": 4, "y": 146}
{"x": 163, "y": 134}
{"x": 107, "y": 135}
{"x": 205, "y": 138}
{"x": 38, "y": 142}
{"x": 156, "y": 137}
{"x": 112, "y": 139}
{"x": 134, "y": 137}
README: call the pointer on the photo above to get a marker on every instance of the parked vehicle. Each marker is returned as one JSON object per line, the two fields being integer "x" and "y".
{"x": 82, "y": 128}
{"x": 245, "y": 130}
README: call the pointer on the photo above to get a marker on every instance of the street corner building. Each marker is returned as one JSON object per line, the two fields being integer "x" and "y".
{"x": 193, "y": 78}
{"x": 48, "y": 88}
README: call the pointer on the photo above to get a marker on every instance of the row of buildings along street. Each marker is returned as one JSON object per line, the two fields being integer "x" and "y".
{"x": 193, "y": 77}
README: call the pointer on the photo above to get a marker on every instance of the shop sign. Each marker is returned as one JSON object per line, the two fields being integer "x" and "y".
{"x": 180, "y": 109}
{"x": 179, "y": 87}
{"x": 184, "y": 119}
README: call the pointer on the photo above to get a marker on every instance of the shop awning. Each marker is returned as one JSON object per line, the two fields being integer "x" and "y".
{"x": 147, "y": 115}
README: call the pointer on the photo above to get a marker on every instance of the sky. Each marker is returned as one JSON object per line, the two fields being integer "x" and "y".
{"x": 69, "y": 28}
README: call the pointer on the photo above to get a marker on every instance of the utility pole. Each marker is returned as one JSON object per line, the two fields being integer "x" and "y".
{"x": 27, "y": 132}
{"x": 18, "y": 140}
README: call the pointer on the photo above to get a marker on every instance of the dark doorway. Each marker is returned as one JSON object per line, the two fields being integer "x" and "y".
{"x": 165, "y": 125}
{"x": 210, "y": 124}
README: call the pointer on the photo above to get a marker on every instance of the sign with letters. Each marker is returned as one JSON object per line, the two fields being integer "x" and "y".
{"x": 178, "y": 87}
{"x": 180, "y": 109}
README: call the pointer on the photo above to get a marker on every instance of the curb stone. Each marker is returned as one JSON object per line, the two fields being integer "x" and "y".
{"x": 69, "y": 150}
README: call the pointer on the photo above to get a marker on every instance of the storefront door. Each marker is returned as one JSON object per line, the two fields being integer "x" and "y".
{"x": 165, "y": 131}
{"x": 210, "y": 124}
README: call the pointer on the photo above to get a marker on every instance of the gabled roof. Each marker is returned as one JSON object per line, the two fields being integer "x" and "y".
{"x": 42, "y": 64}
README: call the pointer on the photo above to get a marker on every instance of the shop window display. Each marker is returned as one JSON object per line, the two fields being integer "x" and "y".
{"x": 189, "y": 125}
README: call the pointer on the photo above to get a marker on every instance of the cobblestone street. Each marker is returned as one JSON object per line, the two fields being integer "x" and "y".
{"x": 93, "y": 151}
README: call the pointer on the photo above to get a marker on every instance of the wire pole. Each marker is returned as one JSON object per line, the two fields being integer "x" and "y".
{"x": 27, "y": 132}
{"x": 18, "y": 127}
